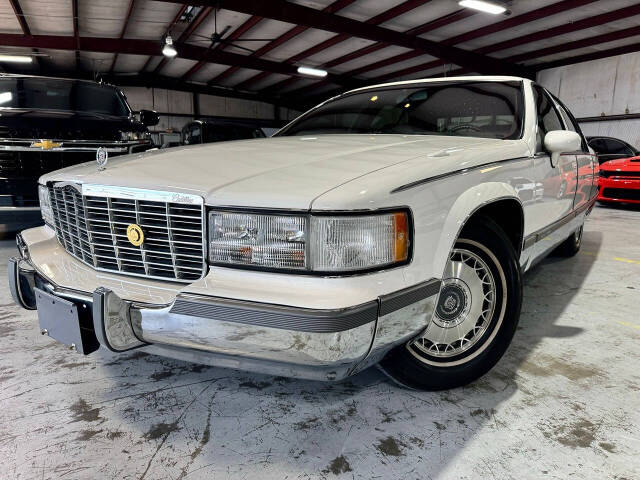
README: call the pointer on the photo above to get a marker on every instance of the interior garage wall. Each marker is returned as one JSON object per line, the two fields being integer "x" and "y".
{"x": 600, "y": 88}
{"x": 177, "y": 108}
{"x": 164, "y": 102}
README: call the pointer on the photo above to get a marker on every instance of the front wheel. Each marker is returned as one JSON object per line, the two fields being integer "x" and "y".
{"x": 475, "y": 317}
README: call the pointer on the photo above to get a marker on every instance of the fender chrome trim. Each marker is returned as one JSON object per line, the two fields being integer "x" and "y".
{"x": 434, "y": 178}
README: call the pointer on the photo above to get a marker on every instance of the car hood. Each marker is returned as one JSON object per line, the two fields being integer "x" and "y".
{"x": 64, "y": 125}
{"x": 281, "y": 172}
{"x": 622, "y": 164}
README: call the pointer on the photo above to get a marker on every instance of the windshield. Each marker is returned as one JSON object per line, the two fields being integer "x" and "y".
{"x": 462, "y": 108}
{"x": 57, "y": 94}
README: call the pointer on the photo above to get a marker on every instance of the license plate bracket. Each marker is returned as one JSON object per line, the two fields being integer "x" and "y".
{"x": 61, "y": 320}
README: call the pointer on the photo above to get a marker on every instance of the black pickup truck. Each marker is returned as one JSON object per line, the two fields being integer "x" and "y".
{"x": 50, "y": 123}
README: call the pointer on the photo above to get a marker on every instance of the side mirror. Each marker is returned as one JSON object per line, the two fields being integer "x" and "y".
{"x": 558, "y": 142}
{"x": 149, "y": 117}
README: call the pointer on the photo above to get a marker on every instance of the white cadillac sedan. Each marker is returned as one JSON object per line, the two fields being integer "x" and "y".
{"x": 389, "y": 225}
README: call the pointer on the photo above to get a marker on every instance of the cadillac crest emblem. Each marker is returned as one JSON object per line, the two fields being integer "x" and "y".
{"x": 135, "y": 235}
{"x": 102, "y": 156}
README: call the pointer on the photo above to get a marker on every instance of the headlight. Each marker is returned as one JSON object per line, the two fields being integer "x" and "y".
{"x": 132, "y": 136}
{"x": 318, "y": 243}
{"x": 261, "y": 240}
{"x": 45, "y": 205}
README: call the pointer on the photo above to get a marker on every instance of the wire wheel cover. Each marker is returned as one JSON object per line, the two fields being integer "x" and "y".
{"x": 465, "y": 307}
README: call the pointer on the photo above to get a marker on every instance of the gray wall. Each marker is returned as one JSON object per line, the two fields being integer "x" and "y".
{"x": 604, "y": 87}
{"x": 172, "y": 101}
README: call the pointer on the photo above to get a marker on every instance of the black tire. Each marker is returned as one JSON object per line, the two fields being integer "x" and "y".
{"x": 571, "y": 246}
{"x": 413, "y": 368}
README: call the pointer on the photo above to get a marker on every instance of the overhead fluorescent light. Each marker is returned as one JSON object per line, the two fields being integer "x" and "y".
{"x": 169, "y": 50}
{"x": 313, "y": 72}
{"x": 483, "y": 6}
{"x": 16, "y": 58}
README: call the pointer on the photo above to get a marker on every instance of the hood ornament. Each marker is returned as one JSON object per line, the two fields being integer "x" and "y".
{"x": 102, "y": 157}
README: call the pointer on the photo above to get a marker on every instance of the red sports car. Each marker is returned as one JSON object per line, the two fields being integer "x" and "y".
{"x": 620, "y": 181}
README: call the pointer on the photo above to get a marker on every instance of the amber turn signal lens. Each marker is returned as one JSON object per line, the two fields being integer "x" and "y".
{"x": 401, "y": 236}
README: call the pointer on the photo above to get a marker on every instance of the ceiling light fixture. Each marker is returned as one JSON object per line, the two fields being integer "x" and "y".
{"x": 483, "y": 6}
{"x": 15, "y": 58}
{"x": 313, "y": 72}
{"x": 169, "y": 50}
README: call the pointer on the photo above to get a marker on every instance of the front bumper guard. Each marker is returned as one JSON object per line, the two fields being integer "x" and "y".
{"x": 273, "y": 339}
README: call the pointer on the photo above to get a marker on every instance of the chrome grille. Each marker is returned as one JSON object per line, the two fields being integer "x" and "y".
{"x": 92, "y": 226}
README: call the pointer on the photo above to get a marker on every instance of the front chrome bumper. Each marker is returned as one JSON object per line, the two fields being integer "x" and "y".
{"x": 319, "y": 344}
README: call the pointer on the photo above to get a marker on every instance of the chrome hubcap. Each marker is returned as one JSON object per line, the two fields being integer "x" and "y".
{"x": 453, "y": 305}
{"x": 465, "y": 307}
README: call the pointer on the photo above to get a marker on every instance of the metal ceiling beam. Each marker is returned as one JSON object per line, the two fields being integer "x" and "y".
{"x": 184, "y": 36}
{"x": 24, "y": 26}
{"x": 17, "y": 9}
{"x": 522, "y": 40}
{"x": 285, "y": 37}
{"x": 583, "y": 43}
{"x": 419, "y": 30}
{"x": 512, "y": 22}
{"x": 123, "y": 31}
{"x": 587, "y": 57}
{"x": 285, "y": 11}
{"x": 385, "y": 16}
{"x": 528, "y": 17}
{"x": 575, "y": 26}
{"x": 175, "y": 20}
{"x": 154, "y": 48}
{"x": 241, "y": 30}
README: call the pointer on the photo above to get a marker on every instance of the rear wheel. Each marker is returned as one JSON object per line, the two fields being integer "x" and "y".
{"x": 571, "y": 246}
{"x": 475, "y": 317}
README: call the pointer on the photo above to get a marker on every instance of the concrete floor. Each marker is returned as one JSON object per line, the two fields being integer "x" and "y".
{"x": 563, "y": 402}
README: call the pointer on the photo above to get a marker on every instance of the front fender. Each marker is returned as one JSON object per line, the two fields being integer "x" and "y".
{"x": 469, "y": 202}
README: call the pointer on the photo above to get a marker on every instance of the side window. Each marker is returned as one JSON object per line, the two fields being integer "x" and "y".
{"x": 567, "y": 120}
{"x": 618, "y": 148}
{"x": 195, "y": 135}
{"x": 548, "y": 118}
{"x": 598, "y": 145}
{"x": 571, "y": 123}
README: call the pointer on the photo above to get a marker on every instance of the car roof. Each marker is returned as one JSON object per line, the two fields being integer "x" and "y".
{"x": 46, "y": 77}
{"x": 471, "y": 78}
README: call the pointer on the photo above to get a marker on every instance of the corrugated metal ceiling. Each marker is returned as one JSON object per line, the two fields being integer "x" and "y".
{"x": 151, "y": 20}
